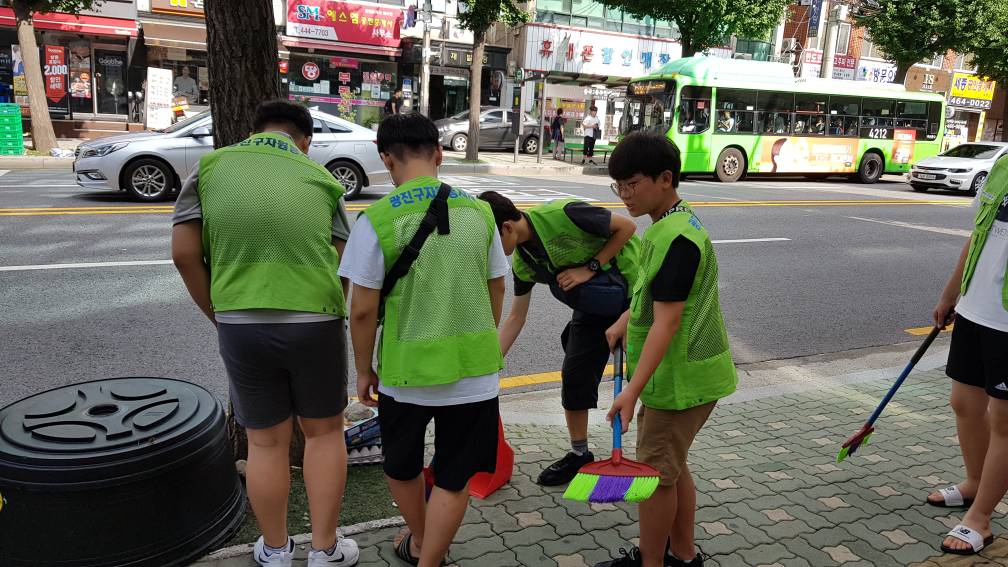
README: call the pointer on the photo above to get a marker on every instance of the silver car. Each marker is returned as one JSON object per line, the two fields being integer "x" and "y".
{"x": 964, "y": 167}
{"x": 151, "y": 166}
{"x": 496, "y": 130}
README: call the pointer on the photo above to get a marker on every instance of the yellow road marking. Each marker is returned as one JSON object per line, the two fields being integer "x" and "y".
{"x": 536, "y": 379}
{"x": 921, "y": 331}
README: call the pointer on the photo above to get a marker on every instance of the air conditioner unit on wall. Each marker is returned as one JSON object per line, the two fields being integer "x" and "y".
{"x": 789, "y": 45}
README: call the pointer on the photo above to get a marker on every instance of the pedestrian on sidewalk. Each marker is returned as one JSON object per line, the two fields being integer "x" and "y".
{"x": 557, "y": 133}
{"x": 438, "y": 355}
{"x": 976, "y": 297}
{"x": 591, "y": 133}
{"x": 257, "y": 233}
{"x": 677, "y": 346}
{"x": 564, "y": 244}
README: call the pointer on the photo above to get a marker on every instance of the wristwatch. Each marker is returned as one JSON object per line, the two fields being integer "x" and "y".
{"x": 594, "y": 265}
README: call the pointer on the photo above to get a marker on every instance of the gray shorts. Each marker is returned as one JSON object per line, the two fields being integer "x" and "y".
{"x": 283, "y": 369}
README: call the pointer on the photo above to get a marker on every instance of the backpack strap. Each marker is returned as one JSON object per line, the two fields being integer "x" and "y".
{"x": 436, "y": 217}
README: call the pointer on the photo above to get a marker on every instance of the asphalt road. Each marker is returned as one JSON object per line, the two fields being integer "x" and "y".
{"x": 87, "y": 291}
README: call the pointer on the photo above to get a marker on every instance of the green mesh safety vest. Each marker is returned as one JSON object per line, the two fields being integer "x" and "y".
{"x": 438, "y": 326}
{"x": 267, "y": 228}
{"x": 697, "y": 367}
{"x": 994, "y": 193}
{"x": 567, "y": 245}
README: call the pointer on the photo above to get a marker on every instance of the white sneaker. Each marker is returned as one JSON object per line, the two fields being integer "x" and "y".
{"x": 345, "y": 554}
{"x": 283, "y": 558}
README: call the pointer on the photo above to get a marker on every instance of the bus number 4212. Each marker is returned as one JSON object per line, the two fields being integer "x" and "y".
{"x": 879, "y": 133}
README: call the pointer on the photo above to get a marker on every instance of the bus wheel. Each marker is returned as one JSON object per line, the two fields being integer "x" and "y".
{"x": 871, "y": 168}
{"x": 731, "y": 165}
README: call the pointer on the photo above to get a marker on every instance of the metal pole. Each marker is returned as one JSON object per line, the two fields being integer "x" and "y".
{"x": 542, "y": 120}
{"x": 425, "y": 73}
{"x": 519, "y": 117}
{"x": 837, "y": 14}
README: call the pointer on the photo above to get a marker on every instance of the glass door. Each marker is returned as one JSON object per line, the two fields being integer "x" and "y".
{"x": 110, "y": 82}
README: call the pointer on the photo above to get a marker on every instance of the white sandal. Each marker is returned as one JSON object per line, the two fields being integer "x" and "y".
{"x": 976, "y": 541}
{"x": 951, "y": 498}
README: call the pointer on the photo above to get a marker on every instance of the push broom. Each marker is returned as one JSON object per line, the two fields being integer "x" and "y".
{"x": 864, "y": 434}
{"x": 615, "y": 479}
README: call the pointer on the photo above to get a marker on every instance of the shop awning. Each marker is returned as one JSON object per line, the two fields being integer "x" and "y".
{"x": 341, "y": 46}
{"x": 176, "y": 35}
{"x": 94, "y": 25}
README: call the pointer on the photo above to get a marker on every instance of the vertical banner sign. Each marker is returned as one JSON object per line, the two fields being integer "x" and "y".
{"x": 159, "y": 98}
{"x": 814, "y": 13}
{"x": 56, "y": 75}
{"x": 17, "y": 68}
{"x": 903, "y": 145}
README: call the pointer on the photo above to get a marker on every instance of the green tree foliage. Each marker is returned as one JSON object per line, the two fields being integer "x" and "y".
{"x": 478, "y": 17}
{"x": 708, "y": 23}
{"x": 911, "y": 31}
{"x": 989, "y": 46}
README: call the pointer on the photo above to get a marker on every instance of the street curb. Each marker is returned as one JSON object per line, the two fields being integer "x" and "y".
{"x": 36, "y": 162}
{"x": 517, "y": 170}
{"x": 302, "y": 539}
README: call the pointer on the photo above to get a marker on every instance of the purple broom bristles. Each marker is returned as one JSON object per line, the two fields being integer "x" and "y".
{"x": 610, "y": 489}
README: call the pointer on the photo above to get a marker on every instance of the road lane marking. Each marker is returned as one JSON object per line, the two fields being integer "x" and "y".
{"x": 39, "y": 185}
{"x": 746, "y": 240}
{"x": 936, "y": 229}
{"x": 34, "y": 267}
{"x": 921, "y": 331}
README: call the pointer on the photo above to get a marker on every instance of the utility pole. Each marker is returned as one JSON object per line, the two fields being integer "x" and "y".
{"x": 837, "y": 14}
{"x": 542, "y": 119}
{"x": 425, "y": 73}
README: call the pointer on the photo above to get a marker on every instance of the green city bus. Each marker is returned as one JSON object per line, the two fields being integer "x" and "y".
{"x": 731, "y": 117}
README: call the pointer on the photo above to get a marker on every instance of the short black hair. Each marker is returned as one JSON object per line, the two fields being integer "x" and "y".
{"x": 560, "y": 111}
{"x": 503, "y": 208}
{"x": 412, "y": 133}
{"x": 279, "y": 111}
{"x": 647, "y": 154}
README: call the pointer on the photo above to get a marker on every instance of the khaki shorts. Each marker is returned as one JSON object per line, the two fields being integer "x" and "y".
{"x": 664, "y": 438}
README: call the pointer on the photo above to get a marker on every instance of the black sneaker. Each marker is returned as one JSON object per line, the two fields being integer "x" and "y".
{"x": 673, "y": 561}
{"x": 564, "y": 470}
{"x": 628, "y": 559}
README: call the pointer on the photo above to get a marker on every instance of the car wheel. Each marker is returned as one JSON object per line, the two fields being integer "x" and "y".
{"x": 148, "y": 180}
{"x": 870, "y": 170}
{"x": 349, "y": 176}
{"x": 919, "y": 188}
{"x": 731, "y": 165}
{"x": 531, "y": 145}
{"x": 978, "y": 183}
{"x": 460, "y": 142}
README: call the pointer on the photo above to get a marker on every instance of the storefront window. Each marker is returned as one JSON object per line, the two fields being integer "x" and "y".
{"x": 81, "y": 97}
{"x": 353, "y": 89}
{"x": 98, "y": 73}
{"x": 110, "y": 82}
{"x": 190, "y": 77}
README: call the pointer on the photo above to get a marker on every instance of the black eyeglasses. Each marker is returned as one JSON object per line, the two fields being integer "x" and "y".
{"x": 625, "y": 189}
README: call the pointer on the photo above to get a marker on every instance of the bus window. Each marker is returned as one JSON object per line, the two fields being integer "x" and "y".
{"x": 775, "y": 112}
{"x": 736, "y": 111}
{"x": 810, "y": 115}
{"x": 648, "y": 107}
{"x": 934, "y": 120}
{"x": 843, "y": 115}
{"x": 694, "y": 110}
{"x": 876, "y": 113}
{"x": 912, "y": 115}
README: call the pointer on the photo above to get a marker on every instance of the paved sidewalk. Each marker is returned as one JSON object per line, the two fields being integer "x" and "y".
{"x": 770, "y": 492}
{"x": 502, "y": 163}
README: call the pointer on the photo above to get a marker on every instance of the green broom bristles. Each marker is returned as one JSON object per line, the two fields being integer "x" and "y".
{"x": 581, "y": 487}
{"x": 641, "y": 489}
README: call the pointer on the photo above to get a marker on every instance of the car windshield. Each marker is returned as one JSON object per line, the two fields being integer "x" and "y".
{"x": 464, "y": 115}
{"x": 973, "y": 151}
{"x": 185, "y": 123}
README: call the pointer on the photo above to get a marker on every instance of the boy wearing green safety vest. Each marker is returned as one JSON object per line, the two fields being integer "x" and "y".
{"x": 678, "y": 359}
{"x": 438, "y": 353}
{"x": 976, "y": 297}
{"x": 568, "y": 241}
{"x": 258, "y": 230}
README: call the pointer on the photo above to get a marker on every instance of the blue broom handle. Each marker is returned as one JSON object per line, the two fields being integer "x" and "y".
{"x": 617, "y": 422}
{"x": 906, "y": 372}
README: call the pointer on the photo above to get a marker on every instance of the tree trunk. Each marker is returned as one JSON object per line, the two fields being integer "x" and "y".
{"x": 475, "y": 95}
{"x": 43, "y": 135}
{"x": 901, "y": 72}
{"x": 243, "y": 65}
{"x": 1004, "y": 120}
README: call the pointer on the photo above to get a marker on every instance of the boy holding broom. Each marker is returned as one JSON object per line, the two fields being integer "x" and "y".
{"x": 677, "y": 346}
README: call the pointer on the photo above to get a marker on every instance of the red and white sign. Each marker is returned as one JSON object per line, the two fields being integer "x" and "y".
{"x": 310, "y": 70}
{"x": 93, "y": 25}
{"x": 903, "y": 145}
{"x": 284, "y": 66}
{"x": 55, "y": 72}
{"x": 843, "y": 65}
{"x": 334, "y": 20}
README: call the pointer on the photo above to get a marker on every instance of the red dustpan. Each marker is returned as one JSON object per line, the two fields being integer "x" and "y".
{"x": 483, "y": 485}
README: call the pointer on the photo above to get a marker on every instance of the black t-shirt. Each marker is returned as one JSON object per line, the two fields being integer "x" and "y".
{"x": 589, "y": 218}
{"x": 675, "y": 276}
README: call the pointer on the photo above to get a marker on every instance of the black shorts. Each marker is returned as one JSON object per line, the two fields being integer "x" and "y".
{"x": 465, "y": 440}
{"x": 979, "y": 357}
{"x": 586, "y": 354}
{"x": 277, "y": 370}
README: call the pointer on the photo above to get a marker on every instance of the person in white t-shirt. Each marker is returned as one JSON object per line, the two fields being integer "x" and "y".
{"x": 976, "y": 297}
{"x": 591, "y": 133}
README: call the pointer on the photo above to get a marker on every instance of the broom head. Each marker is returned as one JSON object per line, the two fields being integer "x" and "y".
{"x": 851, "y": 445}
{"x": 613, "y": 480}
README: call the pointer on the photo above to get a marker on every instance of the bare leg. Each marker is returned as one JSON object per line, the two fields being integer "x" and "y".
{"x": 973, "y": 425}
{"x": 657, "y": 516}
{"x": 685, "y": 516}
{"x": 325, "y": 470}
{"x": 577, "y": 424}
{"x": 444, "y": 516}
{"x": 267, "y": 479}
{"x": 994, "y": 480}
{"x": 409, "y": 496}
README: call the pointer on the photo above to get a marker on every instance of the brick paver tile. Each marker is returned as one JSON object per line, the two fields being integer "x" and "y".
{"x": 576, "y": 560}
{"x": 841, "y": 554}
{"x": 778, "y": 425}
{"x": 778, "y": 450}
{"x": 530, "y": 519}
{"x": 874, "y": 458}
{"x": 729, "y": 457}
{"x": 834, "y": 502}
{"x": 734, "y": 433}
{"x": 899, "y": 537}
{"x": 779, "y": 475}
{"x": 715, "y": 528}
{"x": 886, "y": 491}
{"x": 724, "y": 483}
{"x": 778, "y": 515}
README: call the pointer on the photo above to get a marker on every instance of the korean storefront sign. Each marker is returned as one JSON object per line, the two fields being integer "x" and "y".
{"x": 56, "y": 72}
{"x": 551, "y": 48}
{"x": 159, "y": 98}
{"x": 344, "y": 21}
{"x": 191, "y": 8}
{"x": 970, "y": 91}
{"x": 875, "y": 71}
{"x": 843, "y": 65}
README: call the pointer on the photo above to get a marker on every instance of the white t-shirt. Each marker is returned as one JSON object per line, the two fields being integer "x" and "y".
{"x": 590, "y": 123}
{"x": 364, "y": 265}
{"x": 983, "y": 303}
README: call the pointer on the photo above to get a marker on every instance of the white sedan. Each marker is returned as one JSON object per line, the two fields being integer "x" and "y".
{"x": 151, "y": 166}
{"x": 964, "y": 167}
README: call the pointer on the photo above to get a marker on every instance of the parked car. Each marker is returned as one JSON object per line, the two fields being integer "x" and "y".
{"x": 150, "y": 166}
{"x": 496, "y": 130}
{"x": 964, "y": 167}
